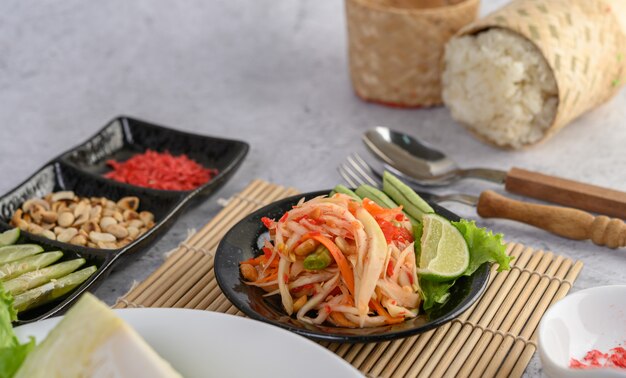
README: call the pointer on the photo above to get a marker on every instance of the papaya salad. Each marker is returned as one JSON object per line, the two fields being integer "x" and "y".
{"x": 367, "y": 258}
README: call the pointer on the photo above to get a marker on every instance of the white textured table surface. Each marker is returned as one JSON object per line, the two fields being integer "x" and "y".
{"x": 271, "y": 72}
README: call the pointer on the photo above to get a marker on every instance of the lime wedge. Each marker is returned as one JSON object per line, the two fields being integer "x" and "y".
{"x": 444, "y": 253}
{"x": 9, "y": 237}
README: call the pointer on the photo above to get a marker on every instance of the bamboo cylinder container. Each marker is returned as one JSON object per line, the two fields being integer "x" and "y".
{"x": 583, "y": 43}
{"x": 395, "y": 47}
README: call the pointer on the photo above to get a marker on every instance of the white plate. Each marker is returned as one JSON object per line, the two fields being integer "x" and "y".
{"x": 588, "y": 319}
{"x": 202, "y": 344}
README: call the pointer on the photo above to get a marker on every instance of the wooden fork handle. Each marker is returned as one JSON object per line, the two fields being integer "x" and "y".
{"x": 563, "y": 221}
{"x": 566, "y": 192}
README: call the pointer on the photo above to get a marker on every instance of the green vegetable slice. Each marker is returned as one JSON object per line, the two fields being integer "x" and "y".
{"x": 52, "y": 290}
{"x": 9, "y": 237}
{"x": 344, "y": 190}
{"x": 28, "y": 264}
{"x": 319, "y": 259}
{"x": 434, "y": 293}
{"x": 402, "y": 194}
{"x": 484, "y": 246}
{"x": 379, "y": 197}
{"x": 12, "y": 353}
{"x": 15, "y": 252}
{"x": 39, "y": 277}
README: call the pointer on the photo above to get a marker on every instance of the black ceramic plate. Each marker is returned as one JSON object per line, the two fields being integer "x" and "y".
{"x": 241, "y": 243}
{"x": 124, "y": 137}
{"x": 80, "y": 170}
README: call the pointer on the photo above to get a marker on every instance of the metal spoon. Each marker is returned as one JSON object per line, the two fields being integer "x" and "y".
{"x": 419, "y": 161}
{"x": 427, "y": 166}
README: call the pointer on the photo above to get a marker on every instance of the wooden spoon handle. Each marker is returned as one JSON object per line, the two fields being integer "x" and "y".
{"x": 566, "y": 192}
{"x": 563, "y": 221}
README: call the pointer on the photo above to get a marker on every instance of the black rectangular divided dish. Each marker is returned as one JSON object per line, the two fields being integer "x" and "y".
{"x": 80, "y": 170}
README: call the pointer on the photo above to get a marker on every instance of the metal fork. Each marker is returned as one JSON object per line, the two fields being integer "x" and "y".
{"x": 356, "y": 171}
{"x": 566, "y": 222}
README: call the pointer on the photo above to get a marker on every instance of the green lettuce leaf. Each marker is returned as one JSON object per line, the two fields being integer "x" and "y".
{"x": 434, "y": 293}
{"x": 12, "y": 353}
{"x": 418, "y": 230}
{"x": 484, "y": 247}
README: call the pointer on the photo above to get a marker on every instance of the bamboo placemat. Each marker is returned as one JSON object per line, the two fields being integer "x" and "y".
{"x": 495, "y": 337}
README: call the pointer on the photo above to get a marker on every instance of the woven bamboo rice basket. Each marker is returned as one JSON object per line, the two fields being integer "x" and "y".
{"x": 583, "y": 42}
{"x": 395, "y": 47}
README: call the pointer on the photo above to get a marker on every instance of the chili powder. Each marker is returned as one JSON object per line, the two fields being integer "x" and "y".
{"x": 596, "y": 359}
{"x": 157, "y": 170}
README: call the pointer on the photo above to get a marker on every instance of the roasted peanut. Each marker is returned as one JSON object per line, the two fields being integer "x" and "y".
{"x": 118, "y": 216}
{"x": 106, "y": 245}
{"x": 344, "y": 246}
{"x": 78, "y": 239}
{"x": 129, "y": 203}
{"x": 146, "y": 217}
{"x": 91, "y": 226}
{"x": 66, "y": 219}
{"x": 298, "y": 303}
{"x": 117, "y": 231}
{"x": 47, "y": 226}
{"x": 48, "y": 234}
{"x": 67, "y": 235}
{"x": 133, "y": 232}
{"x": 35, "y": 201}
{"x": 66, "y": 195}
{"x": 35, "y": 229}
{"x": 101, "y": 237}
{"x": 249, "y": 272}
{"x": 96, "y": 222}
{"x": 36, "y": 213}
{"x": 135, "y": 223}
{"x": 49, "y": 216}
{"x": 81, "y": 213}
{"x": 130, "y": 215}
{"x": 107, "y": 221}
{"x": 306, "y": 247}
{"x": 95, "y": 213}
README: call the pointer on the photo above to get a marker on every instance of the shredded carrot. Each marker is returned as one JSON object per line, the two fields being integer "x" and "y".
{"x": 341, "y": 320}
{"x": 376, "y": 210}
{"x": 253, "y": 260}
{"x": 344, "y": 266}
{"x": 260, "y": 260}
{"x": 269, "y": 278}
{"x": 274, "y": 263}
{"x": 382, "y": 312}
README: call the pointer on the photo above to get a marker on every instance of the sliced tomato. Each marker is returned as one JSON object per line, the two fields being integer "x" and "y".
{"x": 394, "y": 233}
{"x": 267, "y": 222}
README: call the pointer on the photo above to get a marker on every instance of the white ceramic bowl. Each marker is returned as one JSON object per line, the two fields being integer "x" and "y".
{"x": 210, "y": 344}
{"x": 588, "y": 319}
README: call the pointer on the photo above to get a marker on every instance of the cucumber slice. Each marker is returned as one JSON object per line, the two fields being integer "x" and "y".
{"x": 19, "y": 251}
{"x": 28, "y": 264}
{"x": 52, "y": 290}
{"x": 39, "y": 277}
{"x": 9, "y": 237}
